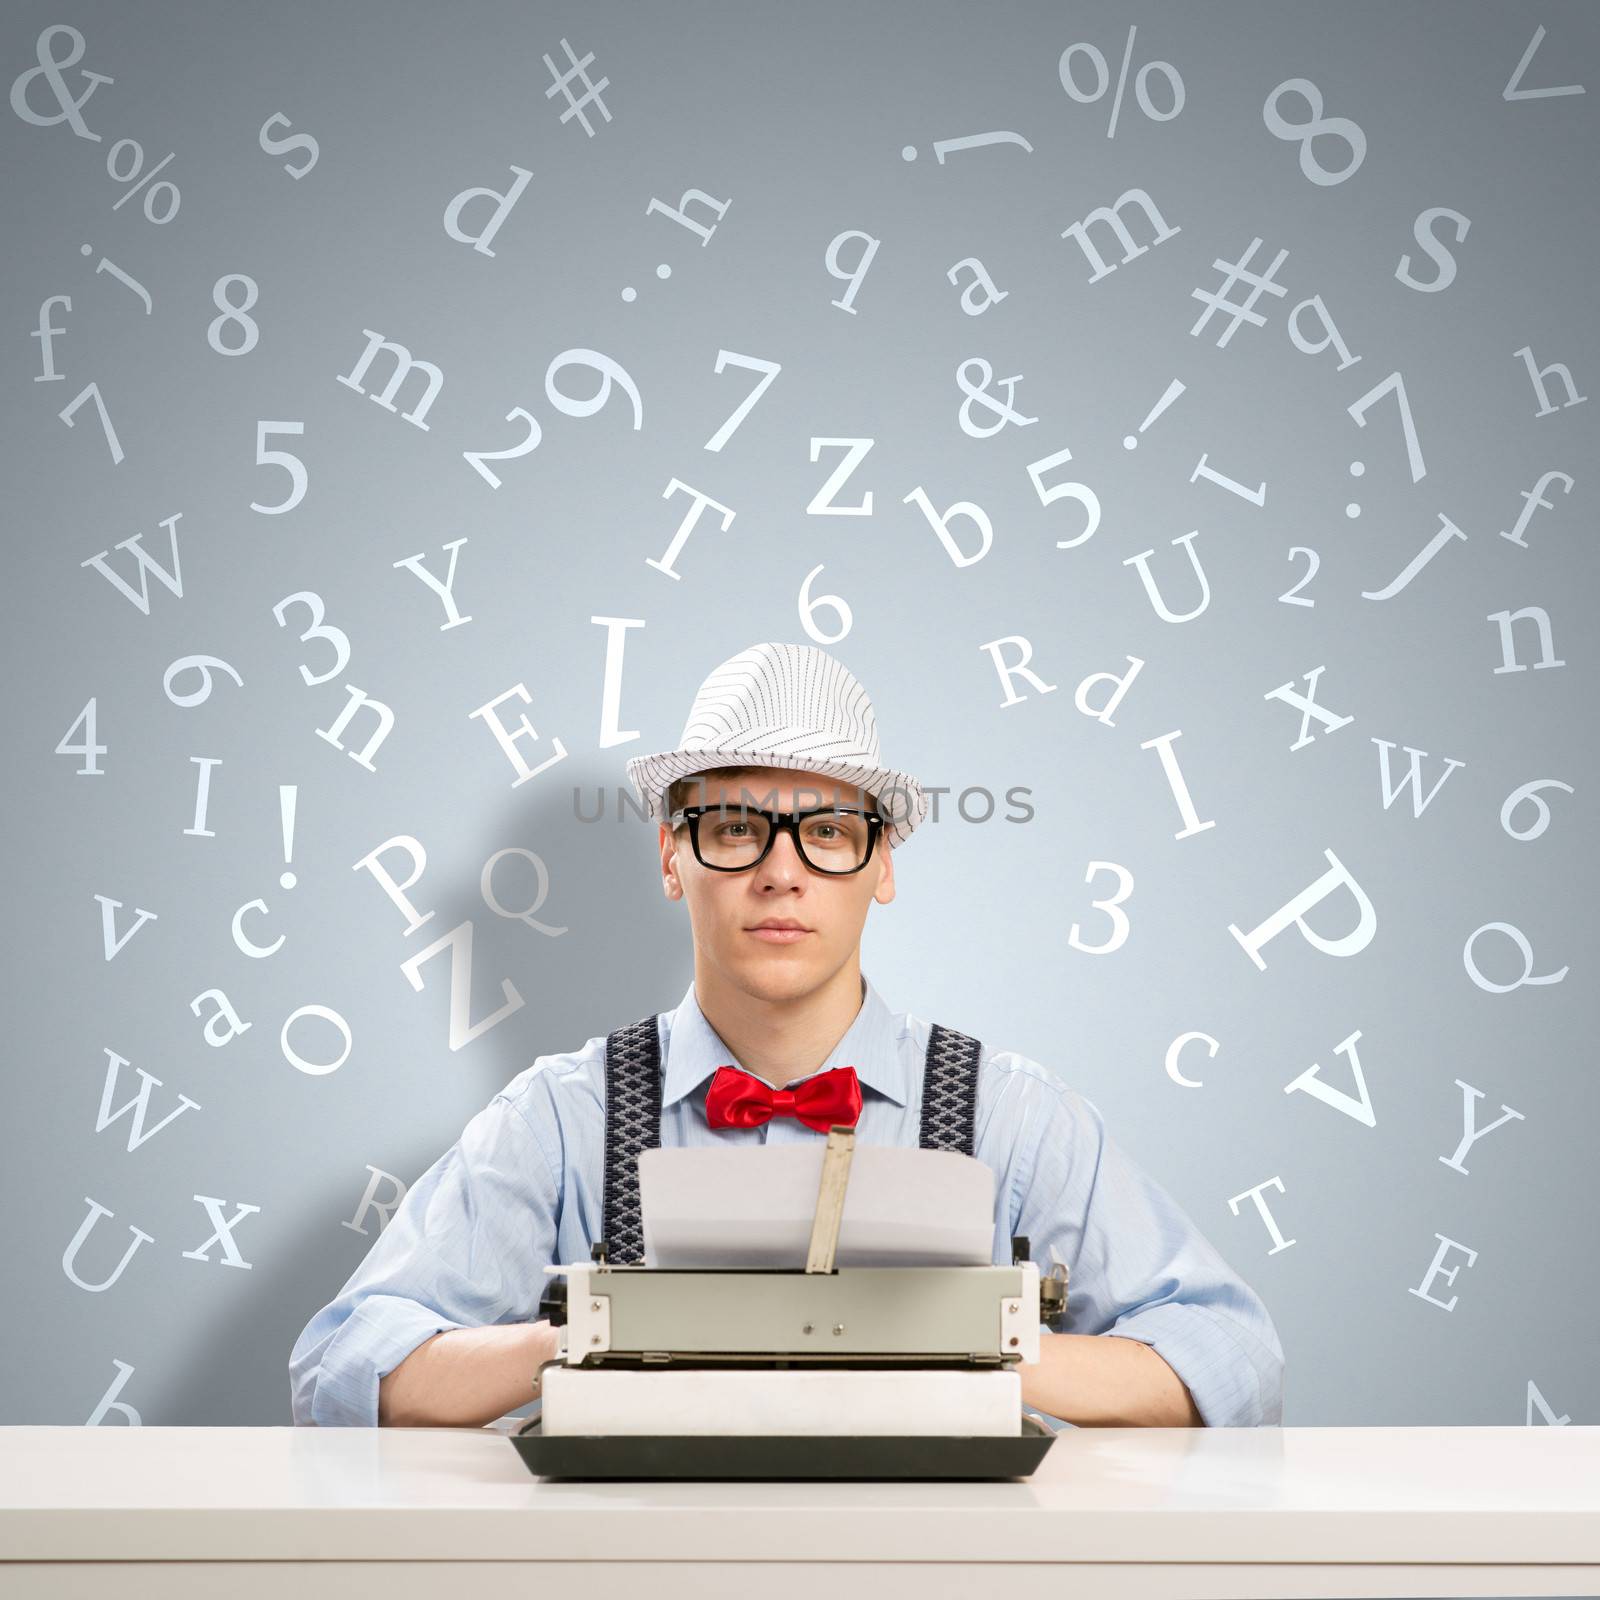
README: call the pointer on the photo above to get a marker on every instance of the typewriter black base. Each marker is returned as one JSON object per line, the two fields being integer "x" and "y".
{"x": 856, "y": 1457}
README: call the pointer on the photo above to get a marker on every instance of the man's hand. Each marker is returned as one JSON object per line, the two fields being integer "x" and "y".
{"x": 1105, "y": 1381}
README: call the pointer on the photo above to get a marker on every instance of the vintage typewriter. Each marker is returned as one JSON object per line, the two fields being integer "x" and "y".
{"x": 825, "y": 1371}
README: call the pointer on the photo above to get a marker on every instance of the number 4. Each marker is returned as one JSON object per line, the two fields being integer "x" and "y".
{"x": 88, "y": 749}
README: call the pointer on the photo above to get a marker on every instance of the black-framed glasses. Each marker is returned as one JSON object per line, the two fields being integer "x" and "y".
{"x": 831, "y": 839}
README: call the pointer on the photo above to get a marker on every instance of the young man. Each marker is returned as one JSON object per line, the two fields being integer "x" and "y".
{"x": 778, "y": 1035}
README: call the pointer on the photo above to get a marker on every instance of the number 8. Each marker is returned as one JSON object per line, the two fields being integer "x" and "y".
{"x": 1304, "y": 133}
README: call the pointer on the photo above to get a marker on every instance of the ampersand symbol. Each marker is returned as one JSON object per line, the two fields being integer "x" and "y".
{"x": 1001, "y": 409}
{"x": 71, "y": 110}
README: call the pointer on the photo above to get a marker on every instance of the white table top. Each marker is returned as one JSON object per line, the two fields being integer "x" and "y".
{"x": 1468, "y": 1494}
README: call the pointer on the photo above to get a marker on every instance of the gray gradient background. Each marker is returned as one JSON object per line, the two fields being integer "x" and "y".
{"x": 799, "y": 116}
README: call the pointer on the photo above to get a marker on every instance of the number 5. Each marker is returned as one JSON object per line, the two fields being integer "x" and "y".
{"x": 1081, "y": 492}
{"x": 295, "y": 467}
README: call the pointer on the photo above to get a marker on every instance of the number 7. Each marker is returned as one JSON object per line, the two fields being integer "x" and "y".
{"x": 755, "y": 364}
{"x": 1398, "y": 384}
{"x": 68, "y": 411}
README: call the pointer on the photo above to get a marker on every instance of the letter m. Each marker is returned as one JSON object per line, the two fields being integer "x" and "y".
{"x": 403, "y": 365}
{"x": 1112, "y": 215}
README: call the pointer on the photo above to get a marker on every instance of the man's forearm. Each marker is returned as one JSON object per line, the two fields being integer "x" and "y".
{"x": 1105, "y": 1381}
{"x": 466, "y": 1377}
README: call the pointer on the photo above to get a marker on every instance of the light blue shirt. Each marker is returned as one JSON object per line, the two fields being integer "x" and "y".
{"x": 521, "y": 1188}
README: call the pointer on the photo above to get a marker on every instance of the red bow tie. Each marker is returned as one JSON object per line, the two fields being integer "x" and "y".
{"x": 738, "y": 1099}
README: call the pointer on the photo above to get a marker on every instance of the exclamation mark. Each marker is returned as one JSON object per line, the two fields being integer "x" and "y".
{"x": 286, "y": 798}
{"x": 1174, "y": 389}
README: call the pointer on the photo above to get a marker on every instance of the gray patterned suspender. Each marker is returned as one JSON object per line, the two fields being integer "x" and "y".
{"x": 633, "y": 1117}
{"x": 633, "y": 1123}
{"x": 950, "y": 1090}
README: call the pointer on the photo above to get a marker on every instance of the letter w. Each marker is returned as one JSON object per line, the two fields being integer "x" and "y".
{"x": 1413, "y": 778}
{"x": 139, "y": 1105}
{"x": 173, "y": 580}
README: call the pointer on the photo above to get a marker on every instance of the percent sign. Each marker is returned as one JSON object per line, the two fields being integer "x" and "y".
{"x": 1141, "y": 82}
{"x": 133, "y": 172}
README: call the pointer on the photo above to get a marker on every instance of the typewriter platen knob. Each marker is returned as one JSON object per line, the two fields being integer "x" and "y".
{"x": 553, "y": 1303}
{"x": 1052, "y": 1285}
{"x": 1053, "y": 1297}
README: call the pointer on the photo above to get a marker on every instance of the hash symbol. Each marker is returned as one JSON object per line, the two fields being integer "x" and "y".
{"x": 591, "y": 95}
{"x": 1237, "y": 271}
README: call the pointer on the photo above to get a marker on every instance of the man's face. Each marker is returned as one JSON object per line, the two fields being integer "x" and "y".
{"x": 725, "y": 907}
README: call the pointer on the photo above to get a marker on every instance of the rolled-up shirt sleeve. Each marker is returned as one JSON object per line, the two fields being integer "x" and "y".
{"x": 1140, "y": 1269}
{"x": 466, "y": 1247}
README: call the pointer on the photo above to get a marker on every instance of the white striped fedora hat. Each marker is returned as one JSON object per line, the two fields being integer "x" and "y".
{"x": 784, "y": 705}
